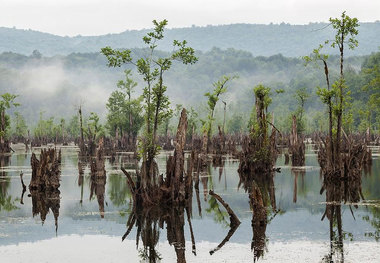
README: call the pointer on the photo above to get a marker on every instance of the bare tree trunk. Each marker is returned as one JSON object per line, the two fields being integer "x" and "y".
{"x": 81, "y": 146}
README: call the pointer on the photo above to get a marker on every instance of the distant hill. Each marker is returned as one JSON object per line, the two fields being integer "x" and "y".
{"x": 260, "y": 40}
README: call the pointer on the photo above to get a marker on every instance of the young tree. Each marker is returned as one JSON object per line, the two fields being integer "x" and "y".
{"x": 152, "y": 69}
{"x": 220, "y": 87}
{"x": 73, "y": 128}
{"x": 6, "y": 102}
{"x": 371, "y": 74}
{"x": 301, "y": 96}
{"x": 346, "y": 30}
{"x": 336, "y": 95}
{"x": 327, "y": 95}
{"x": 94, "y": 128}
{"x": 124, "y": 113}
{"x": 20, "y": 129}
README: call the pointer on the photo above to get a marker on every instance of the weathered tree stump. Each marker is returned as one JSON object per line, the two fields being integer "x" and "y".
{"x": 296, "y": 146}
{"x": 46, "y": 171}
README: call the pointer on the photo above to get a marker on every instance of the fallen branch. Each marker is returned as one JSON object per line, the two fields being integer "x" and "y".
{"x": 271, "y": 124}
{"x": 234, "y": 220}
{"x": 130, "y": 181}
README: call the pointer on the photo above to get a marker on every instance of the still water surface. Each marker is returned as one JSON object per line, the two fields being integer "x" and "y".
{"x": 89, "y": 219}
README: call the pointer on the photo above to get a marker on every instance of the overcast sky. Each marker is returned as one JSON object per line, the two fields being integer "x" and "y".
{"x": 96, "y": 17}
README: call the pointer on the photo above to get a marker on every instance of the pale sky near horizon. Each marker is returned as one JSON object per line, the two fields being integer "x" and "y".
{"x": 97, "y": 17}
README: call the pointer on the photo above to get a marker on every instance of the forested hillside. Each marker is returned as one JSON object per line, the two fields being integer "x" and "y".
{"x": 260, "y": 40}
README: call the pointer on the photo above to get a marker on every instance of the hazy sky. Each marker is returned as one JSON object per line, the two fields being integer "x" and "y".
{"x": 95, "y": 17}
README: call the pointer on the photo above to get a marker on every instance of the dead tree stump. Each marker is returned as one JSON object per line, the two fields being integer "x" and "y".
{"x": 46, "y": 171}
{"x": 296, "y": 146}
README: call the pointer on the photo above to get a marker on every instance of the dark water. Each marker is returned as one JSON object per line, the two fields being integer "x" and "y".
{"x": 89, "y": 218}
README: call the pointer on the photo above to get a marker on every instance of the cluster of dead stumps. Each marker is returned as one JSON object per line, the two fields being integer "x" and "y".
{"x": 160, "y": 199}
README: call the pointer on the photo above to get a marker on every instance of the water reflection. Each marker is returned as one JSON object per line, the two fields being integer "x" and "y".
{"x": 297, "y": 192}
{"x": 348, "y": 190}
{"x": 298, "y": 173}
{"x": 43, "y": 201}
{"x": 149, "y": 222}
{"x": 7, "y": 203}
{"x": 262, "y": 200}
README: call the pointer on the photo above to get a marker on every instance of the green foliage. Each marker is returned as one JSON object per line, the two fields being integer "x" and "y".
{"x": 262, "y": 95}
{"x": 73, "y": 127}
{"x": 345, "y": 27}
{"x": 370, "y": 76}
{"x": 94, "y": 129}
{"x": 219, "y": 215}
{"x": 337, "y": 97}
{"x": 124, "y": 112}
{"x": 192, "y": 121}
{"x": 301, "y": 96}
{"x": 258, "y": 122}
{"x": 6, "y": 102}
{"x": 236, "y": 124}
{"x": 45, "y": 129}
{"x": 19, "y": 129}
{"x": 220, "y": 87}
{"x": 152, "y": 69}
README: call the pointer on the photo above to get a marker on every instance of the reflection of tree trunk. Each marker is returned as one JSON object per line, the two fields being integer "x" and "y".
{"x": 98, "y": 177}
{"x": 81, "y": 144}
{"x": 196, "y": 187}
{"x": 42, "y": 202}
{"x": 295, "y": 187}
{"x": 234, "y": 222}
{"x": 191, "y": 231}
{"x": 175, "y": 233}
{"x": 23, "y": 189}
{"x": 226, "y": 239}
{"x": 259, "y": 221}
{"x": 204, "y": 180}
{"x": 261, "y": 190}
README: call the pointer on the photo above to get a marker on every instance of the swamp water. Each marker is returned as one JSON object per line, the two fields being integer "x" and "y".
{"x": 88, "y": 219}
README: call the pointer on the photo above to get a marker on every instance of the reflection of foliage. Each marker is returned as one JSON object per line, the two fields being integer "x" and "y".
{"x": 375, "y": 223}
{"x": 125, "y": 212}
{"x": 118, "y": 190}
{"x": 214, "y": 208}
{"x": 219, "y": 216}
{"x": 7, "y": 204}
{"x": 146, "y": 257}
